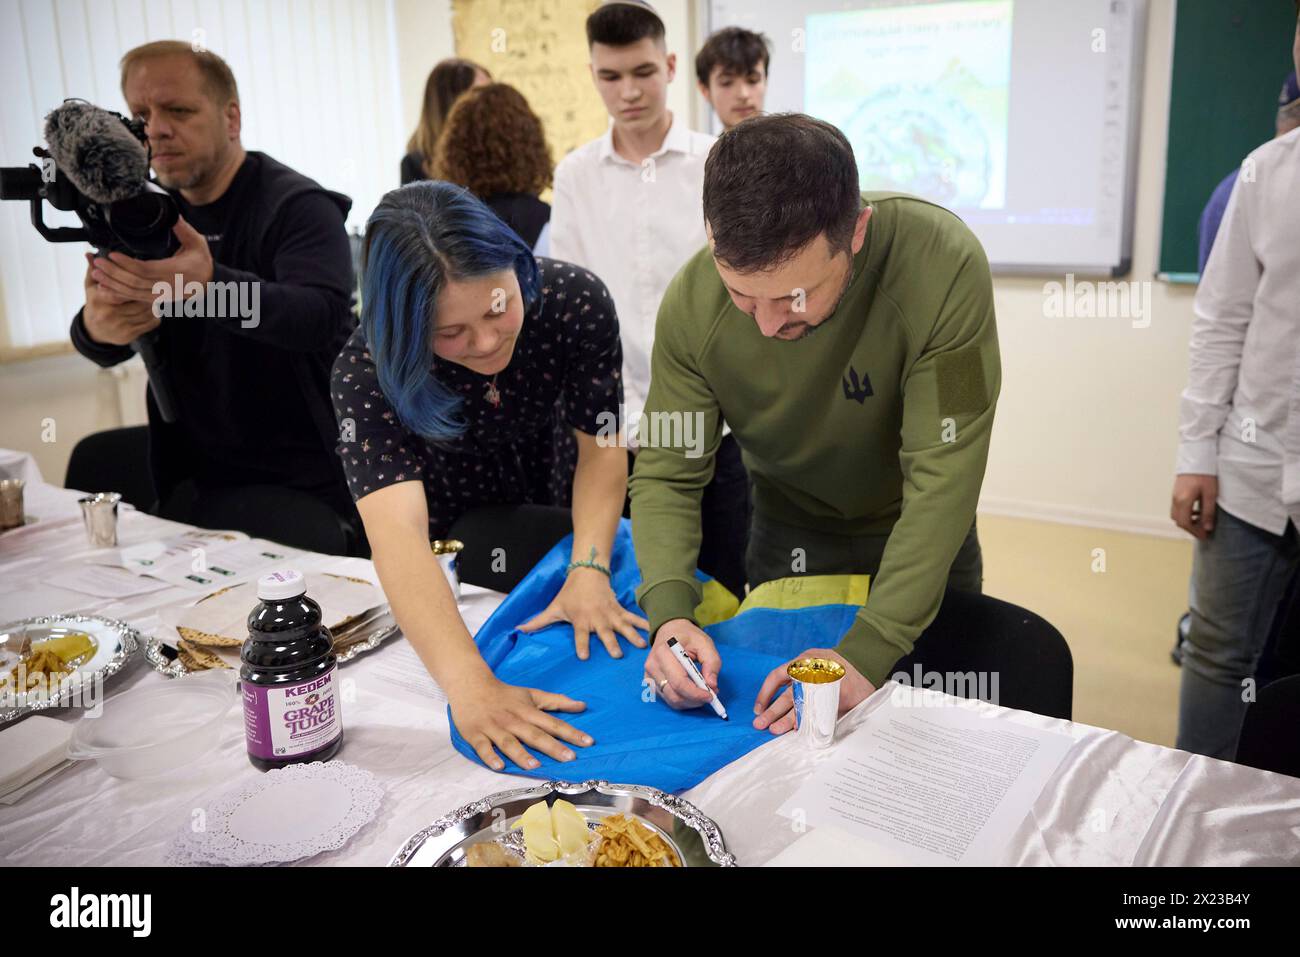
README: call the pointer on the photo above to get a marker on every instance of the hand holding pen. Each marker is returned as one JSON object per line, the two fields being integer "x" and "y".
{"x": 694, "y": 674}
{"x": 676, "y": 684}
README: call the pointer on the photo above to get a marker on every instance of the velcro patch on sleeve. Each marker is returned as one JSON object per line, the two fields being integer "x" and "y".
{"x": 961, "y": 381}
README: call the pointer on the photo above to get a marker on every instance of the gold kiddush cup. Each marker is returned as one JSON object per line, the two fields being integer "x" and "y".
{"x": 447, "y": 550}
{"x": 816, "y": 686}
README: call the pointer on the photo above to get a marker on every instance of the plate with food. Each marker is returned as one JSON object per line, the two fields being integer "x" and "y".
{"x": 45, "y": 662}
{"x": 567, "y": 824}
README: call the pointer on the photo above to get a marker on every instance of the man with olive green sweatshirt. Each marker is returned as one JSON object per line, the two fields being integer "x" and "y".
{"x": 849, "y": 341}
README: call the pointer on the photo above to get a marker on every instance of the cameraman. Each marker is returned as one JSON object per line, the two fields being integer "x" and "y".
{"x": 250, "y": 385}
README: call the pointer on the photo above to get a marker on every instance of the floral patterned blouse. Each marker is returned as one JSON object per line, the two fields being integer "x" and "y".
{"x": 518, "y": 447}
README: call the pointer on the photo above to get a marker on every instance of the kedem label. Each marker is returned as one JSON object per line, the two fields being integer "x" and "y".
{"x": 291, "y": 720}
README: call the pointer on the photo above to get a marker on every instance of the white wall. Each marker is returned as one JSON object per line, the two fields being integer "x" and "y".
{"x": 423, "y": 38}
{"x": 679, "y": 27}
{"x": 1086, "y": 427}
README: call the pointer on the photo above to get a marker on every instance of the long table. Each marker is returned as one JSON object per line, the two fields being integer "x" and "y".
{"x": 1112, "y": 801}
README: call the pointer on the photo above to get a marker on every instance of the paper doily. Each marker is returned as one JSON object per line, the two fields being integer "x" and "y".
{"x": 284, "y": 815}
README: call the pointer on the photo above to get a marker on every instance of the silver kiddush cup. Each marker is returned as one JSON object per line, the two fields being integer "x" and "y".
{"x": 100, "y": 513}
{"x": 11, "y": 503}
{"x": 816, "y": 685}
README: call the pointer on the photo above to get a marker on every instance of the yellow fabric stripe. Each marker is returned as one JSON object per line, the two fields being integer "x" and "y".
{"x": 718, "y": 604}
{"x": 807, "y": 591}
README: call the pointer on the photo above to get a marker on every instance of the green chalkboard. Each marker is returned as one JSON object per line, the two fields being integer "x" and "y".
{"x": 1230, "y": 57}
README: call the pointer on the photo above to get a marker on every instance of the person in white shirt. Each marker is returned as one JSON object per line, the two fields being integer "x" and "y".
{"x": 629, "y": 207}
{"x": 1237, "y": 488}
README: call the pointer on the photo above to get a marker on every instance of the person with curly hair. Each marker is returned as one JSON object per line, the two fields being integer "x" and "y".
{"x": 493, "y": 145}
{"x": 446, "y": 82}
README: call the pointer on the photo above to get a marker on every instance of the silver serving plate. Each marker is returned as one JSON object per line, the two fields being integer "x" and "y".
{"x": 696, "y": 840}
{"x": 116, "y": 643}
{"x": 161, "y": 656}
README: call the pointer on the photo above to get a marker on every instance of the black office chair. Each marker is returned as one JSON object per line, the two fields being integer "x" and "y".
{"x": 1270, "y": 732}
{"x": 984, "y": 636}
{"x": 114, "y": 461}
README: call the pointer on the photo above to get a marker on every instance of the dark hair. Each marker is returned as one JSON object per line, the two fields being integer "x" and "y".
{"x": 775, "y": 183}
{"x": 418, "y": 238}
{"x": 622, "y": 24}
{"x": 446, "y": 82}
{"x": 493, "y": 143}
{"x": 734, "y": 49}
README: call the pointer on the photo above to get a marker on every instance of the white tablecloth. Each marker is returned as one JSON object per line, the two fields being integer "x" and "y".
{"x": 19, "y": 465}
{"x": 1112, "y": 801}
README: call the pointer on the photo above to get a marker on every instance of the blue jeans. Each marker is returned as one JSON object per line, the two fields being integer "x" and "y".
{"x": 1239, "y": 574}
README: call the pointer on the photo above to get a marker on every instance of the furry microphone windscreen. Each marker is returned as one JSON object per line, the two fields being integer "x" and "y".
{"x": 96, "y": 151}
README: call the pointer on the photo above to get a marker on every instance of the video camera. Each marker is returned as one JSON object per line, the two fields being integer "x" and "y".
{"x": 120, "y": 208}
{"x": 97, "y": 166}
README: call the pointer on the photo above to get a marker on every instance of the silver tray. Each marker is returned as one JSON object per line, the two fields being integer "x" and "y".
{"x": 159, "y": 654}
{"x": 696, "y": 839}
{"x": 117, "y": 643}
{"x": 163, "y": 658}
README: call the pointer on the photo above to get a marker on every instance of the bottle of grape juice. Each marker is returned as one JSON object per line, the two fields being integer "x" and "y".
{"x": 291, "y": 704}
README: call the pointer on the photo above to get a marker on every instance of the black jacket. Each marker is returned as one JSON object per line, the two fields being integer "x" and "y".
{"x": 253, "y": 393}
{"x": 524, "y": 213}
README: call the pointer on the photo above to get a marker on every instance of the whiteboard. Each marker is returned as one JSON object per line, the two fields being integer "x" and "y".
{"x": 1019, "y": 115}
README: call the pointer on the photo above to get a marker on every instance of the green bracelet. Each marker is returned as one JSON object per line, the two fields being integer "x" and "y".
{"x": 589, "y": 563}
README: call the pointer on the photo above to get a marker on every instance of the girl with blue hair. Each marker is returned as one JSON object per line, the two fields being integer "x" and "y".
{"x": 480, "y": 377}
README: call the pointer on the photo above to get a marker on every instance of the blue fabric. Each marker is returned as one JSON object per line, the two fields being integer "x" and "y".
{"x": 639, "y": 741}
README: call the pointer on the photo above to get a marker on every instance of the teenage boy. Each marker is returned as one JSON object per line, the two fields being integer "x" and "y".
{"x": 627, "y": 207}
{"x": 731, "y": 71}
{"x": 1237, "y": 478}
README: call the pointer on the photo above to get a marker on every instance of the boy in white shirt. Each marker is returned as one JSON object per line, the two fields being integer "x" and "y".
{"x": 1238, "y": 475}
{"x": 628, "y": 207}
